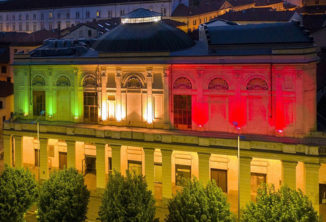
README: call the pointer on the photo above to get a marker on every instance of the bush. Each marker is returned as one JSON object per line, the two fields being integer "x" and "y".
{"x": 63, "y": 197}
{"x": 127, "y": 199}
{"x": 198, "y": 203}
{"x": 18, "y": 191}
{"x": 284, "y": 205}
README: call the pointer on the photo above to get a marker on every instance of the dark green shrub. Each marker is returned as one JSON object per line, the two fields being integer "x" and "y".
{"x": 199, "y": 203}
{"x": 127, "y": 199}
{"x": 284, "y": 205}
{"x": 63, "y": 197}
{"x": 18, "y": 191}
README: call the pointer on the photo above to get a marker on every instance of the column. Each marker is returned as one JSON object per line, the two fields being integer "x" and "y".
{"x": 100, "y": 166}
{"x": 118, "y": 106}
{"x": 203, "y": 167}
{"x": 289, "y": 174}
{"x": 245, "y": 181}
{"x": 149, "y": 167}
{"x": 166, "y": 174}
{"x": 116, "y": 157}
{"x": 104, "y": 97}
{"x": 71, "y": 154}
{"x": 149, "y": 80}
{"x": 166, "y": 96}
{"x": 7, "y": 144}
{"x": 44, "y": 169}
{"x": 312, "y": 183}
{"x": 18, "y": 152}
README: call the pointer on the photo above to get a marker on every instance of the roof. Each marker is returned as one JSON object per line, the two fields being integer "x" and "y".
{"x": 143, "y": 37}
{"x": 25, "y": 39}
{"x": 141, "y": 13}
{"x": 313, "y": 22}
{"x": 269, "y": 33}
{"x": 6, "y": 89}
{"x": 14, "y": 5}
{"x": 267, "y": 2}
{"x": 258, "y": 14}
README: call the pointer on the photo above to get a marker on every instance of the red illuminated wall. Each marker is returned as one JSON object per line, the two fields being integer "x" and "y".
{"x": 261, "y": 99}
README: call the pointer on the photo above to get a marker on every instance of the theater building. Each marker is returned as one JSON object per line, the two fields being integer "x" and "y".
{"x": 145, "y": 97}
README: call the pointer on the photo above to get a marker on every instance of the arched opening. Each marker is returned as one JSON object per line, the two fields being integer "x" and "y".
{"x": 257, "y": 84}
{"x": 182, "y": 83}
{"x": 218, "y": 84}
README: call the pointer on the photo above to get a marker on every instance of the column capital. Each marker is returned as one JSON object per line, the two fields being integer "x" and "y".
{"x": 148, "y": 149}
{"x": 115, "y": 146}
{"x": 166, "y": 152}
{"x": 204, "y": 155}
{"x": 70, "y": 142}
{"x": 289, "y": 163}
{"x": 43, "y": 140}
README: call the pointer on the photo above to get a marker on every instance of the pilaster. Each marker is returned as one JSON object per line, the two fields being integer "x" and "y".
{"x": 100, "y": 166}
{"x": 245, "y": 181}
{"x": 44, "y": 169}
{"x": 7, "y": 144}
{"x": 166, "y": 174}
{"x": 149, "y": 167}
{"x": 18, "y": 152}
{"x": 71, "y": 154}
{"x": 203, "y": 167}
{"x": 289, "y": 174}
{"x": 116, "y": 157}
{"x": 312, "y": 183}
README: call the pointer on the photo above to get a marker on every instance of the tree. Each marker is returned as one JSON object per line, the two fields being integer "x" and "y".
{"x": 127, "y": 199}
{"x": 18, "y": 191}
{"x": 199, "y": 203}
{"x": 63, "y": 197}
{"x": 284, "y": 205}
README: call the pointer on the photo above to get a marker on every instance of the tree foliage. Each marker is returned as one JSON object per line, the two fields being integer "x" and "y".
{"x": 284, "y": 205}
{"x": 18, "y": 191}
{"x": 199, "y": 203}
{"x": 63, "y": 197}
{"x": 127, "y": 199}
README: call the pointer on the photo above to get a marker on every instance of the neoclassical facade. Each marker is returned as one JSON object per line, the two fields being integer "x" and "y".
{"x": 170, "y": 111}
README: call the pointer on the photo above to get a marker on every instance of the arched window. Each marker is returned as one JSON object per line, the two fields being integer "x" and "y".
{"x": 38, "y": 81}
{"x": 63, "y": 81}
{"x": 218, "y": 84}
{"x": 182, "y": 83}
{"x": 257, "y": 84}
{"x": 89, "y": 81}
{"x": 133, "y": 82}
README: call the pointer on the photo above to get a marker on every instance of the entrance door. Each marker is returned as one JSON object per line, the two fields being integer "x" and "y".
{"x": 38, "y": 102}
{"x": 221, "y": 178}
{"x": 182, "y": 112}
{"x": 90, "y": 107}
{"x": 90, "y": 162}
{"x": 62, "y": 160}
{"x": 63, "y": 105}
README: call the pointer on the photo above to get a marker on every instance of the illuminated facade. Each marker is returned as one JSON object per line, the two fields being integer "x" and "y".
{"x": 166, "y": 107}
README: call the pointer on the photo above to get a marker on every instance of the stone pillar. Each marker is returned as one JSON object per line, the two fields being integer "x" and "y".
{"x": 18, "y": 152}
{"x": 7, "y": 144}
{"x": 100, "y": 166}
{"x": 44, "y": 168}
{"x": 118, "y": 102}
{"x": 104, "y": 112}
{"x": 203, "y": 167}
{"x": 289, "y": 174}
{"x": 150, "y": 113}
{"x": 166, "y": 96}
{"x": 166, "y": 174}
{"x": 245, "y": 181}
{"x": 71, "y": 154}
{"x": 116, "y": 157}
{"x": 312, "y": 183}
{"x": 149, "y": 167}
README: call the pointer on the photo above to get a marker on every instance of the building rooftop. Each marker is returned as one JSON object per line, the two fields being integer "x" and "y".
{"x": 23, "y": 5}
{"x": 26, "y": 39}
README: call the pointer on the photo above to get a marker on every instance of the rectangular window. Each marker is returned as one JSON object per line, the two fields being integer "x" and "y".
{"x": 13, "y": 27}
{"x": 27, "y": 17}
{"x": 27, "y": 26}
{"x": 182, "y": 111}
{"x": 34, "y": 26}
{"x": 42, "y": 16}
{"x": 59, "y": 15}
{"x": 1, "y": 105}
{"x": 34, "y": 16}
{"x": 62, "y": 160}
{"x": 87, "y": 14}
{"x": 68, "y": 15}
{"x": 98, "y": 14}
{"x": 77, "y": 15}
{"x": 256, "y": 180}
{"x": 20, "y": 26}
{"x": 322, "y": 194}
{"x": 135, "y": 167}
{"x": 122, "y": 12}
{"x": 4, "y": 69}
{"x": 109, "y": 14}
{"x": 38, "y": 103}
{"x": 50, "y": 15}
{"x": 19, "y": 17}
{"x": 90, "y": 107}
{"x": 182, "y": 174}
{"x": 220, "y": 177}
{"x": 194, "y": 22}
{"x": 110, "y": 164}
{"x": 1, "y": 28}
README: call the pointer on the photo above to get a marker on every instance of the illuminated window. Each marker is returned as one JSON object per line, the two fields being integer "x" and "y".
{"x": 218, "y": 84}
{"x": 257, "y": 84}
{"x": 98, "y": 13}
{"x": 182, "y": 111}
{"x": 90, "y": 107}
{"x": 182, "y": 83}
{"x": 50, "y": 15}
{"x": 257, "y": 179}
{"x": 182, "y": 174}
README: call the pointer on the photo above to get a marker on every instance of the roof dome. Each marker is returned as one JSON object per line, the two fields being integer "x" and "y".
{"x": 141, "y": 33}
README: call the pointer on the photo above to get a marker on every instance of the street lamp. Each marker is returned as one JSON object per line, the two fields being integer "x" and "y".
{"x": 237, "y": 127}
